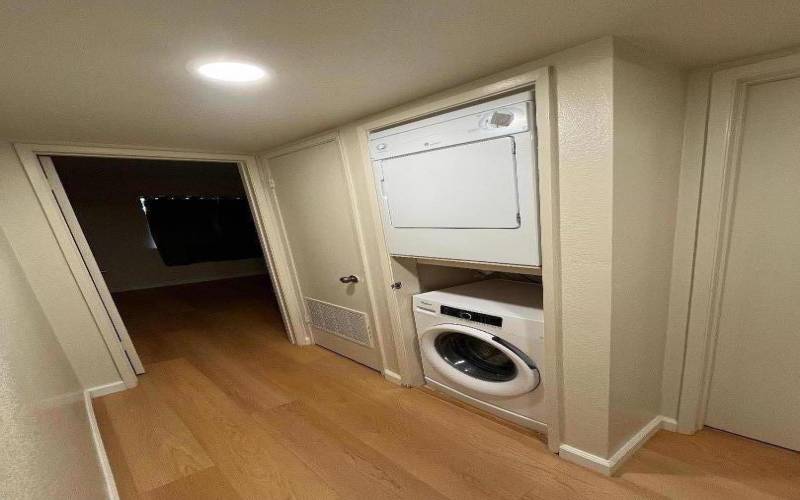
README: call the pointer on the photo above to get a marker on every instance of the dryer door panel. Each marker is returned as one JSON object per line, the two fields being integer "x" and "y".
{"x": 469, "y": 186}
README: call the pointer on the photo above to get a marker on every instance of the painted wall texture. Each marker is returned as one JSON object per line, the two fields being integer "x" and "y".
{"x": 48, "y": 450}
{"x": 648, "y": 133}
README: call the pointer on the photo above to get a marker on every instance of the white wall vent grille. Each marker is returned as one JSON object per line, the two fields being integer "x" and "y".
{"x": 340, "y": 321}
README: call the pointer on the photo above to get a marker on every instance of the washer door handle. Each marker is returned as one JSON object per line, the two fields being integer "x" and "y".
{"x": 511, "y": 347}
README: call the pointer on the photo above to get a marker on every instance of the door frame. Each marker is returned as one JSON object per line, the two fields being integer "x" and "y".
{"x": 324, "y": 138}
{"x": 264, "y": 217}
{"x": 727, "y": 101}
{"x": 399, "y": 301}
{"x": 62, "y": 198}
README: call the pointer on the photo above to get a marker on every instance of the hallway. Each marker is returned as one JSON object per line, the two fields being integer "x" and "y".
{"x": 229, "y": 408}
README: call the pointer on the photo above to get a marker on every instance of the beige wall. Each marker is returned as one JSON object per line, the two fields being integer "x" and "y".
{"x": 29, "y": 233}
{"x": 585, "y": 92}
{"x": 48, "y": 450}
{"x": 648, "y": 125}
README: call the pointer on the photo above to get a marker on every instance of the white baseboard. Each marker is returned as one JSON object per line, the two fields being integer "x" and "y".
{"x": 608, "y": 466}
{"x": 102, "y": 390}
{"x": 585, "y": 459}
{"x": 102, "y": 457}
{"x": 392, "y": 377}
{"x": 669, "y": 424}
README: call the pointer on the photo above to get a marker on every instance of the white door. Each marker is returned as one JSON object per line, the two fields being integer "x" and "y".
{"x": 313, "y": 199}
{"x": 755, "y": 380}
{"x": 91, "y": 263}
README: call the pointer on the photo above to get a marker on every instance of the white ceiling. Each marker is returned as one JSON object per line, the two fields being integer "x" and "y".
{"x": 114, "y": 71}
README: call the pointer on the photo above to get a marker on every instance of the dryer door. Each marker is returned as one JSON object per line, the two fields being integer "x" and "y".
{"x": 478, "y": 360}
{"x": 467, "y": 186}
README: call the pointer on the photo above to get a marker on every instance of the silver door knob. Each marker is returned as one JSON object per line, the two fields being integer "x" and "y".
{"x": 349, "y": 279}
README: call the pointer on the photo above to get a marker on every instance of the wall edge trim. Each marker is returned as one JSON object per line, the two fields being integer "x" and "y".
{"x": 102, "y": 456}
{"x": 392, "y": 377}
{"x": 105, "y": 389}
{"x": 609, "y": 466}
{"x": 669, "y": 424}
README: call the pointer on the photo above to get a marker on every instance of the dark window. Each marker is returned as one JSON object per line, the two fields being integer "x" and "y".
{"x": 194, "y": 229}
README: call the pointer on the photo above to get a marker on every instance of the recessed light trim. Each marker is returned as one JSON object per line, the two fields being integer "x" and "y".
{"x": 231, "y": 71}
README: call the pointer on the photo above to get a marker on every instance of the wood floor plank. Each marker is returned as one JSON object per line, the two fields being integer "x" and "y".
{"x": 252, "y": 461}
{"x": 251, "y": 392}
{"x": 769, "y": 469}
{"x": 577, "y": 482}
{"x": 208, "y": 484}
{"x": 674, "y": 478}
{"x": 434, "y": 450}
{"x": 114, "y": 450}
{"x": 445, "y": 460}
{"x": 158, "y": 447}
{"x": 279, "y": 421}
{"x": 352, "y": 468}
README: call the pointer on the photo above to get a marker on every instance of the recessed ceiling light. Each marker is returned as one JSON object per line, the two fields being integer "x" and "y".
{"x": 230, "y": 71}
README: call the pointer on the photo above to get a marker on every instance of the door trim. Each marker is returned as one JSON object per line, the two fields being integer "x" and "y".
{"x": 264, "y": 217}
{"x": 91, "y": 263}
{"x": 727, "y": 102}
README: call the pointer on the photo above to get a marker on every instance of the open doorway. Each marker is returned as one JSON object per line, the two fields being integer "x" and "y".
{"x": 172, "y": 249}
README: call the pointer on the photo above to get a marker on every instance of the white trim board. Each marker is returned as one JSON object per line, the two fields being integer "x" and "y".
{"x": 608, "y": 466}
{"x": 392, "y": 377}
{"x": 669, "y": 424}
{"x": 106, "y": 389}
{"x": 102, "y": 456}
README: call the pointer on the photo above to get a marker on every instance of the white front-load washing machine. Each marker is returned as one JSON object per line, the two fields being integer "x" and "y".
{"x": 483, "y": 343}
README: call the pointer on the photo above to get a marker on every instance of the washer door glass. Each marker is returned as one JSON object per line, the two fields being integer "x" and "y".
{"x": 475, "y": 357}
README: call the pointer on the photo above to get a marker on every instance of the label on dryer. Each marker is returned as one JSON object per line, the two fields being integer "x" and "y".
{"x": 481, "y": 122}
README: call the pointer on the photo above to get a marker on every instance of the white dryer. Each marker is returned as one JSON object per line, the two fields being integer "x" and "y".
{"x": 462, "y": 185}
{"x": 483, "y": 343}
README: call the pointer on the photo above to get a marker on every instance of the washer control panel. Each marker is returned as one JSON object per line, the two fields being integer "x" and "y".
{"x": 486, "y": 319}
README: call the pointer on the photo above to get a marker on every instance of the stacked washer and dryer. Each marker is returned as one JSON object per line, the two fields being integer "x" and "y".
{"x": 462, "y": 186}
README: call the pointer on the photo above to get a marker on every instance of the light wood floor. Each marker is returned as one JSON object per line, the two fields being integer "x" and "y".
{"x": 229, "y": 409}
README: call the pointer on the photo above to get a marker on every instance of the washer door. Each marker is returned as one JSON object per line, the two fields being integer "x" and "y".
{"x": 478, "y": 360}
